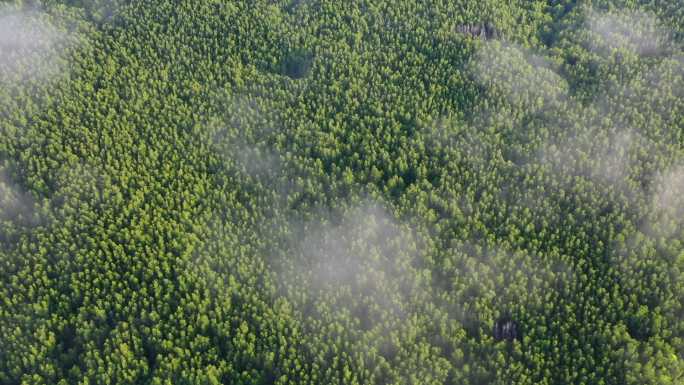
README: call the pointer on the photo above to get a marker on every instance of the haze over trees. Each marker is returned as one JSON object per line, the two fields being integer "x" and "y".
{"x": 341, "y": 192}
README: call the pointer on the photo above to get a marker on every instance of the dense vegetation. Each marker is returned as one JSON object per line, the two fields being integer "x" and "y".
{"x": 341, "y": 192}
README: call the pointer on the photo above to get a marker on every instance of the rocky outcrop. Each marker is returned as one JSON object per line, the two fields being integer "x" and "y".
{"x": 506, "y": 329}
{"x": 482, "y": 31}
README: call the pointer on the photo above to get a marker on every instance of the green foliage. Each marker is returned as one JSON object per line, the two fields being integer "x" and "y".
{"x": 341, "y": 192}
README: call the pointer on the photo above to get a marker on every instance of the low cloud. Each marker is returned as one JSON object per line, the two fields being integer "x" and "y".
{"x": 18, "y": 208}
{"x": 257, "y": 162}
{"x": 29, "y": 44}
{"x": 16, "y": 205}
{"x": 244, "y": 140}
{"x": 523, "y": 78}
{"x": 77, "y": 186}
{"x": 342, "y": 259}
{"x": 668, "y": 203}
{"x": 500, "y": 280}
{"x": 635, "y": 31}
{"x": 604, "y": 156}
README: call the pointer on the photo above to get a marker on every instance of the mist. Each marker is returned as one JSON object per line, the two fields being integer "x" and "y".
{"x": 360, "y": 250}
{"x": 14, "y": 205}
{"x": 244, "y": 140}
{"x": 523, "y": 78}
{"x": 635, "y": 31}
{"x": 668, "y": 203}
{"x": 29, "y": 45}
{"x": 595, "y": 141}
{"x": 364, "y": 261}
{"x": 603, "y": 156}
{"x": 357, "y": 273}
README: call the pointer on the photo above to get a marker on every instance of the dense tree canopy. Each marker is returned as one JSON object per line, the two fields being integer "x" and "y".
{"x": 341, "y": 192}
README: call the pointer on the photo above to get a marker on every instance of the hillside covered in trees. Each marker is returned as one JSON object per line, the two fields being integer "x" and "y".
{"x": 332, "y": 192}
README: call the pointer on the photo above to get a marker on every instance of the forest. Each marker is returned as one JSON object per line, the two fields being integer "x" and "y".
{"x": 357, "y": 192}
